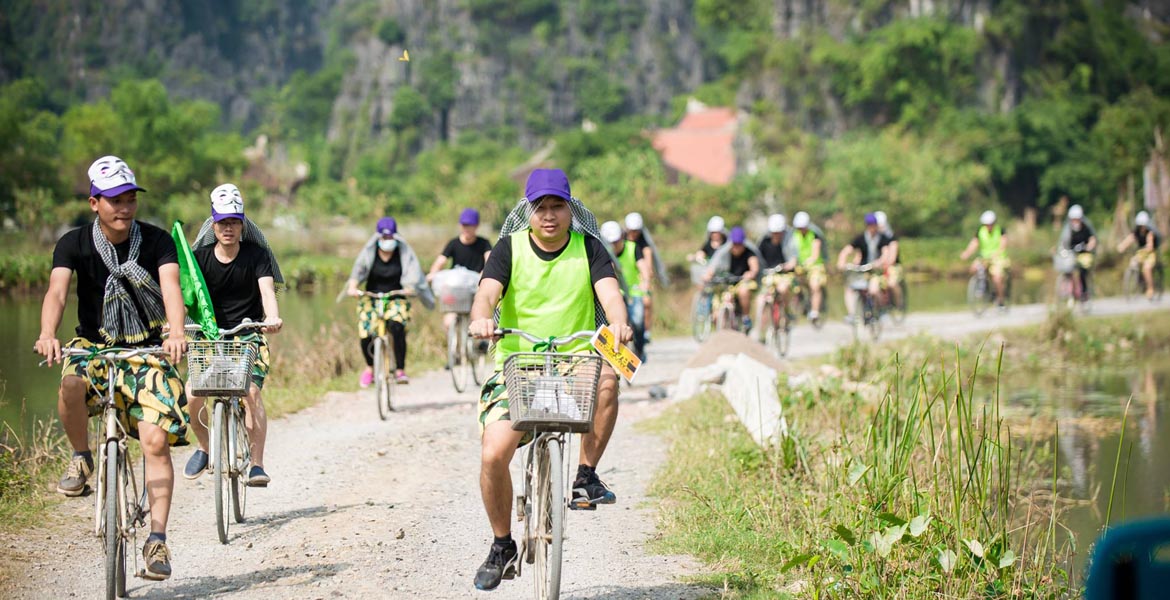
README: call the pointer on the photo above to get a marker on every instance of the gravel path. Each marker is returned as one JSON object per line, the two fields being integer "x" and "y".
{"x": 360, "y": 508}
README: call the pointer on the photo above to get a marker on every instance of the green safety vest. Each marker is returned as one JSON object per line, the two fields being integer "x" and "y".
{"x": 989, "y": 242}
{"x": 546, "y": 298}
{"x": 804, "y": 246}
{"x": 628, "y": 263}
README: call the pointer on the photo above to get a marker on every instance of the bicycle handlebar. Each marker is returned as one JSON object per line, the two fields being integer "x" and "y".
{"x": 113, "y": 355}
{"x": 580, "y": 335}
{"x": 777, "y": 269}
{"x": 246, "y": 324}
{"x": 859, "y": 268}
{"x": 391, "y": 294}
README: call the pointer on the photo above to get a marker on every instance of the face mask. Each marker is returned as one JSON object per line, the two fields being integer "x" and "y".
{"x": 387, "y": 245}
{"x": 1076, "y": 225}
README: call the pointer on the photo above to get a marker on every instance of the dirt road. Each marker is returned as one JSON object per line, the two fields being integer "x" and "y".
{"x": 360, "y": 508}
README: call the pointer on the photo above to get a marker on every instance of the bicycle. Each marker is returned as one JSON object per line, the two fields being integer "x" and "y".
{"x": 804, "y": 298}
{"x": 384, "y": 382}
{"x": 1069, "y": 288}
{"x": 700, "y": 304}
{"x": 727, "y": 314}
{"x": 119, "y": 508}
{"x": 222, "y": 370}
{"x": 455, "y": 289}
{"x": 1133, "y": 285}
{"x": 552, "y": 395}
{"x": 981, "y": 290}
{"x": 872, "y": 307}
{"x": 777, "y": 317}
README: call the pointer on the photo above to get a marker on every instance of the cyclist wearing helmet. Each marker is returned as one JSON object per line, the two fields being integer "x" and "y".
{"x": 549, "y": 275}
{"x": 741, "y": 259}
{"x": 127, "y": 289}
{"x": 716, "y": 237}
{"x": 810, "y": 254}
{"x": 991, "y": 243}
{"x": 870, "y": 247}
{"x": 648, "y": 263}
{"x": 467, "y": 250}
{"x": 893, "y": 272}
{"x": 1078, "y": 236}
{"x": 772, "y": 255}
{"x": 628, "y": 267}
{"x": 1147, "y": 240}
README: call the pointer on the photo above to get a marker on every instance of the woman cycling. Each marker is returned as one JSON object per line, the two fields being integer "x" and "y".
{"x": 386, "y": 264}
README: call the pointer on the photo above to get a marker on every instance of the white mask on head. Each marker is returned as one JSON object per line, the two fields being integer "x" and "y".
{"x": 387, "y": 245}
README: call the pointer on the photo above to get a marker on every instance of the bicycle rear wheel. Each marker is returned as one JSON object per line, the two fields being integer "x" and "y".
{"x": 241, "y": 460}
{"x": 383, "y": 381}
{"x": 457, "y": 357}
{"x": 220, "y": 463}
{"x": 549, "y": 525}
{"x": 114, "y": 546}
{"x": 1130, "y": 284}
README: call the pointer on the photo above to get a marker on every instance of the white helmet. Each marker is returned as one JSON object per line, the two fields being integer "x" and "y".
{"x": 634, "y": 221}
{"x": 1076, "y": 212}
{"x": 611, "y": 232}
{"x": 882, "y": 220}
{"x": 715, "y": 224}
{"x": 777, "y": 223}
{"x": 988, "y": 217}
{"x": 800, "y": 220}
{"x": 1142, "y": 219}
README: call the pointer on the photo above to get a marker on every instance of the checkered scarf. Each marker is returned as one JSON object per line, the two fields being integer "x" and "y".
{"x": 121, "y": 320}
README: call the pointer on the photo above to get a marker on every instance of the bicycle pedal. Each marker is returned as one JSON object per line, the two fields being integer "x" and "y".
{"x": 582, "y": 505}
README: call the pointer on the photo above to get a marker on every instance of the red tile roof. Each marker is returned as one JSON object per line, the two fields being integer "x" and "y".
{"x": 701, "y": 145}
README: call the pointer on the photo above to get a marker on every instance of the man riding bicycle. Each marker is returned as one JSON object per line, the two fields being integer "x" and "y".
{"x": 772, "y": 255}
{"x": 241, "y": 281}
{"x": 739, "y": 260}
{"x": 127, "y": 289}
{"x": 628, "y": 265}
{"x": 810, "y": 254}
{"x": 1147, "y": 240}
{"x": 716, "y": 237}
{"x": 649, "y": 264}
{"x": 386, "y": 264}
{"x": 1079, "y": 237}
{"x": 870, "y": 247}
{"x": 549, "y": 274}
{"x": 991, "y": 242}
{"x": 893, "y": 270}
{"x": 467, "y": 250}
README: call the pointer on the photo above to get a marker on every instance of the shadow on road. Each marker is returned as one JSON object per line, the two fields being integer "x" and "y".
{"x": 212, "y": 585}
{"x": 267, "y": 524}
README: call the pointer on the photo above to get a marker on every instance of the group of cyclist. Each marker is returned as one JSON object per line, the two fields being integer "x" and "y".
{"x": 552, "y": 271}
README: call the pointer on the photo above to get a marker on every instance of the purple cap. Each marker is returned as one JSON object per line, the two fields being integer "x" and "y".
{"x": 469, "y": 216}
{"x": 737, "y": 235}
{"x": 387, "y": 226}
{"x": 870, "y": 219}
{"x": 547, "y": 182}
{"x": 110, "y": 176}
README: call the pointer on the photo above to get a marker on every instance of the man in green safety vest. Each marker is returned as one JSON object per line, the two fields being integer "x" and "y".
{"x": 550, "y": 275}
{"x": 634, "y": 270}
{"x": 991, "y": 242}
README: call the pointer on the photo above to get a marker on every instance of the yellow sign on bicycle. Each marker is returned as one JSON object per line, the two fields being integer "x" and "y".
{"x": 623, "y": 360}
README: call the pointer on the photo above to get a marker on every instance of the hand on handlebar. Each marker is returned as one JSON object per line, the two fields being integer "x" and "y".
{"x": 482, "y": 329}
{"x": 50, "y": 348}
{"x": 274, "y": 326}
{"x": 175, "y": 347}
{"x": 353, "y": 293}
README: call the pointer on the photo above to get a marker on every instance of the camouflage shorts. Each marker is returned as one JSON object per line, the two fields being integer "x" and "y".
{"x": 374, "y": 313}
{"x": 146, "y": 389}
{"x": 493, "y": 405}
{"x": 260, "y": 367}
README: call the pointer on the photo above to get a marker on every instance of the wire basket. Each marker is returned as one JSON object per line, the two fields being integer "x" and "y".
{"x": 455, "y": 289}
{"x": 552, "y": 392}
{"x": 697, "y": 273}
{"x": 858, "y": 281}
{"x": 220, "y": 367}
{"x": 1064, "y": 261}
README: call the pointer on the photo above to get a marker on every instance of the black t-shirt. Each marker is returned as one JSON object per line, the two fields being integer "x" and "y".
{"x": 739, "y": 264}
{"x": 1142, "y": 233}
{"x": 708, "y": 249}
{"x": 499, "y": 263}
{"x": 468, "y": 257}
{"x": 773, "y": 254}
{"x": 639, "y": 246}
{"x": 75, "y": 251}
{"x": 235, "y": 286}
{"x": 1080, "y": 237}
{"x": 385, "y": 275}
{"x": 860, "y": 244}
{"x": 893, "y": 238}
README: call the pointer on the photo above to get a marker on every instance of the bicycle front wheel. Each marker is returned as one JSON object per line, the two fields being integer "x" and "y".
{"x": 701, "y": 317}
{"x": 977, "y": 294}
{"x": 221, "y": 465}
{"x": 241, "y": 460}
{"x": 549, "y": 526}
{"x": 113, "y": 533}
{"x": 899, "y": 308}
{"x": 456, "y": 357}
{"x": 382, "y": 378}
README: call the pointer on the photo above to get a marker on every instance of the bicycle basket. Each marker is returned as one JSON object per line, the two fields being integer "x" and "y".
{"x": 1064, "y": 262}
{"x": 552, "y": 392}
{"x": 697, "y": 273}
{"x": 455, "y": 289}
{"x": 858, "y": 282}
{"x": 220, "y": 367}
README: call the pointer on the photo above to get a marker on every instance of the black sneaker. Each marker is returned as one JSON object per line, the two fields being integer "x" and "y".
{"x": 500, "y": 564}
{"x": 157, "y": 559}
{"x": 590, "y": 491}
{"x": 73, "y": 482}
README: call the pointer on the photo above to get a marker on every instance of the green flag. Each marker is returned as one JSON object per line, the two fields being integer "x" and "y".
{"x": 195, "y": 294}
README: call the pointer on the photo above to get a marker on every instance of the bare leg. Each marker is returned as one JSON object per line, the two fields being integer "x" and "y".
{"x": 160, "y": 474}
{"x": 745, "y": 300}
{"x": 1148, "y": 275}
{"x": 850, "y": 301}
{"x": 998, "y": 280}
{"x": 256, "y": 420}
{"x": 647, "y": 313}
{"x": 816, "y": 297}
{"x": 593, "y": 444}
{"x": 73, "y": 412}
{"x": 195, "y": 408}
{"x": 495, "y": 481}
